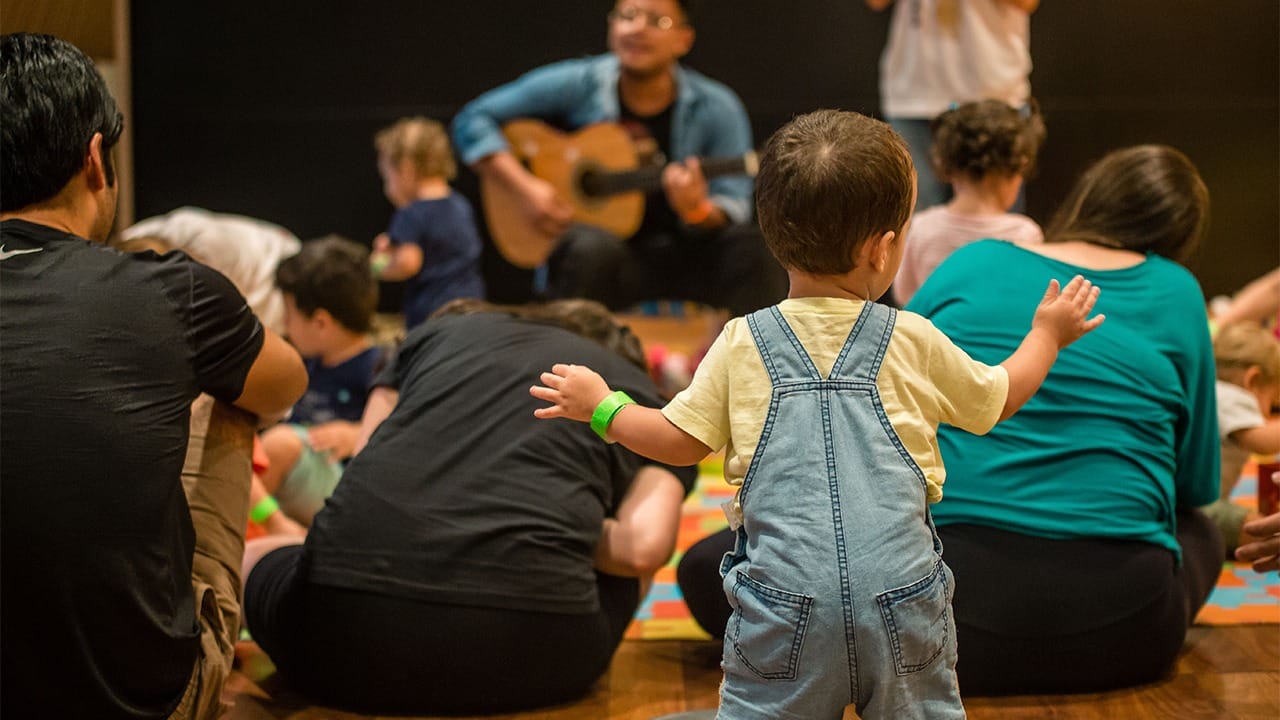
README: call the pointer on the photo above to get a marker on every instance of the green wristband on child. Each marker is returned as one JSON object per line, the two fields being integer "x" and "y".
{"x": 606, "y": 410}
{"x": 265, "y": 508}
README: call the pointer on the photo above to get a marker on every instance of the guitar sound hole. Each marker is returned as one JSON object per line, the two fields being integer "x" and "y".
{"x": 591, "y": 182}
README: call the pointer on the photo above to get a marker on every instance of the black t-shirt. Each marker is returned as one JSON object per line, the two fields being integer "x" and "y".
{"x": 652, "y": 135}
{"x": 102, "y": 354}
{"x": 462, "y": 496}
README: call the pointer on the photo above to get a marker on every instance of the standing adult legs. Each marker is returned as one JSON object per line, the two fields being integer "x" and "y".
{"x": 931, "y": 191}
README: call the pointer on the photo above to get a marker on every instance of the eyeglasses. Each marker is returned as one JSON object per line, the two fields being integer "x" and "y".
{"x": 631, "y": 13}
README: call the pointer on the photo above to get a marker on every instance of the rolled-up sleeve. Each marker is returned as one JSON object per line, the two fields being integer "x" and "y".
{"x": 547, "y": 93}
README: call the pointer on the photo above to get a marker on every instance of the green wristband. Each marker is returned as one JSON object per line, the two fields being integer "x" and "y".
{"x": 604, "y": 412}
{"x": 265, "y": 508}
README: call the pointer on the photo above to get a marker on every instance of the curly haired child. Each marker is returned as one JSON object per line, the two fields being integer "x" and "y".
{"x": 984, "y": 150}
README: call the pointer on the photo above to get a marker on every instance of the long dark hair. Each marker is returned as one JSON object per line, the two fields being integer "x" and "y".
{"x": 1146, "y": 198}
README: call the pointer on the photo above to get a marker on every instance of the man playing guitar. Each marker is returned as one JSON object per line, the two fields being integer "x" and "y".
{"x": 696, "y": 241}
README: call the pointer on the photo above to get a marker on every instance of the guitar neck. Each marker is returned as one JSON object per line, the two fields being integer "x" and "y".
{"x": 600, "y": 183}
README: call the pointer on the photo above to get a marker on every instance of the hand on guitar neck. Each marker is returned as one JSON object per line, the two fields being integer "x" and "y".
{"x": 687, "y": 193}
{"x": 539, "y": 202}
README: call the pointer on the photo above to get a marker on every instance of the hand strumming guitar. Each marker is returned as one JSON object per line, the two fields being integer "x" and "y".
{"x": 540, "y": 203}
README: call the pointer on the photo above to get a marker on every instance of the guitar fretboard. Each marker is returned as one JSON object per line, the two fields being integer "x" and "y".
{"x": 596, "y": 183}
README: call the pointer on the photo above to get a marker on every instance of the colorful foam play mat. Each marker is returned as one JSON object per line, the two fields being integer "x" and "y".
{"x": 1241, "y": 597}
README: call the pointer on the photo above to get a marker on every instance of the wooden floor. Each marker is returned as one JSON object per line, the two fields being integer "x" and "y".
{"x": 1225, "y": 673}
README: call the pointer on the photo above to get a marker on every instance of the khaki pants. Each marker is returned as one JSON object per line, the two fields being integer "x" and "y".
{"x": 216, "y": 480}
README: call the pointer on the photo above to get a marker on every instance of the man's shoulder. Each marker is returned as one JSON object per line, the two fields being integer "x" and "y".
{"x": 709, "y": 89}
{"x": 598, "y": 67}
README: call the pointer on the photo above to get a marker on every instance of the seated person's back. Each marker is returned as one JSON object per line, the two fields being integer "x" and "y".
{"x": 115, "y": 602}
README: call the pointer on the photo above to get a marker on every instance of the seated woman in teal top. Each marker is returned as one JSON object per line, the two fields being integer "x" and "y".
{"x": 1079, "y": 561}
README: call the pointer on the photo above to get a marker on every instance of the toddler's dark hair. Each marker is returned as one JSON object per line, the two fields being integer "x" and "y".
{"x": 828, "y": 181}
{"x": 986, "y": 137}
{"x": 332, "y": 273}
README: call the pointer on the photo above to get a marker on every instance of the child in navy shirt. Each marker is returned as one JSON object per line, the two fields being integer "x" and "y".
{"x": 432, "y": 242}
{"x": 329, "y": 300}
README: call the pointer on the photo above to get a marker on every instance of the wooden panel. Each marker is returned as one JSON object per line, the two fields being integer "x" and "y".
{"x": 88, "y": 24}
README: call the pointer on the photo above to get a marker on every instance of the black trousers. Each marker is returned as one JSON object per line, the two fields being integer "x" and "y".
{"x": 729, "y": 268}
{"x": 1038, "y": 616}
{"x": 383, "y": 655}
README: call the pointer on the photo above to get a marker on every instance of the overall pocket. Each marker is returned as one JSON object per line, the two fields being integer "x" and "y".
{"x": 916, "y": 618}
{"x": 768, "y": 627}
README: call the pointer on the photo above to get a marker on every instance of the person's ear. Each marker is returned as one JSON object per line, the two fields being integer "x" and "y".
{"x": 687, "y": 36}
{"x": 880, "y": 249}
{"x": 94, "y": 169}
{"x": 323, "y": 319}
{"x": 1251, "y": 379}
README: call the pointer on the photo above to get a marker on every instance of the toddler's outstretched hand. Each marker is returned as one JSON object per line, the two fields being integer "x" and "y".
{"x": 573, "y": 390}
{"x": 1065, "y": 314}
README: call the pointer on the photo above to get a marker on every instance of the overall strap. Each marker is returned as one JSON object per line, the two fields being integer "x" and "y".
{"x": 783, "y": 355}
{"x": 863, "y": 350}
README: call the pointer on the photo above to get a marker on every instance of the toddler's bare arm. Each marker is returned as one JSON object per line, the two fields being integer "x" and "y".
{"x": 1061, "y": 319}
{"x": 1263, "y": 439}
{"x": 574, "y": 392}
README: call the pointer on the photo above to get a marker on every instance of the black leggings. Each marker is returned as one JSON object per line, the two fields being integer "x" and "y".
{"x": 379, "y": 654}
{"x": 1041, "y": 616}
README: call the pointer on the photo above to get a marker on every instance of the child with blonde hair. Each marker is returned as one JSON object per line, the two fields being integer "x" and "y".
{"x": 1247, "y": 356}
{"x": 432, "y": 242}
{"x": 828, "y": 405}
{"x": 984, "y": 150}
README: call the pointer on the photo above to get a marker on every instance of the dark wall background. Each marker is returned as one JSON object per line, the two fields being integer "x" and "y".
{"x": 269, "y": 109}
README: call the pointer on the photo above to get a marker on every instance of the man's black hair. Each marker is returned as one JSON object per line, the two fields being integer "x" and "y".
{"x": 53, "y": 101}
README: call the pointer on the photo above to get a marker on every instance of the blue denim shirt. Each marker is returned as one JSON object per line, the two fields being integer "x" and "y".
{"x": 708, "y": 119}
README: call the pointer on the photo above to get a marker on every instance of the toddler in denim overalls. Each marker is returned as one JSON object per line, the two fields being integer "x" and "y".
{"x": 828, "y": 406}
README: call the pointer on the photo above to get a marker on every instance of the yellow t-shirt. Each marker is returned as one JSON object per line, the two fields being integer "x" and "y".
{"x": 924, "y": 380}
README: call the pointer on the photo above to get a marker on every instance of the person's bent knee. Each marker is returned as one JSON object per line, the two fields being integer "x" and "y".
{"x": 283, "y": 446}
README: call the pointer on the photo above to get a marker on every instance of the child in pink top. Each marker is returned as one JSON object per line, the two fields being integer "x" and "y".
{"x": 984, "y": 150}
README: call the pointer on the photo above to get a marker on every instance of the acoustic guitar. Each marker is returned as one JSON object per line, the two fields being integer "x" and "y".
{"x": 595, "y": 169}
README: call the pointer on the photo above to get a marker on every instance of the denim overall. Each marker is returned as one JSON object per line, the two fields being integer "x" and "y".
{"x": 837, "y": 584}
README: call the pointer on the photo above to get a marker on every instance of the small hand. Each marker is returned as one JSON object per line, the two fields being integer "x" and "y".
{"x": 573, "y": 390}
{"x": 1265, "y": 553}
{"x": 545, "y": 209}
{"x": 380, "y": 255}
{"x": 1065, "y": 314}
{"x": 337, "y": 439}
{"x": 685, "y": 186}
